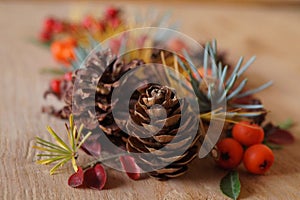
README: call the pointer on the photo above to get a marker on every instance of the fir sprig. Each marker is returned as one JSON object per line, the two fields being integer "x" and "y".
{"x": 61, "y": 153}
{"x": 221, "y": 85}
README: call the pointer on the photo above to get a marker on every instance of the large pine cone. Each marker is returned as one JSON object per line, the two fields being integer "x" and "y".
{"x": 174, "y": 135}
{"x": 93, "y": 95}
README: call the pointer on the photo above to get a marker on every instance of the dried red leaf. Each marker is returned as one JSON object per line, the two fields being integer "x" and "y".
{"x": 129, "y": 165}
{"x": 76, "y": 179}
{"x": 280, "y": 136}
{"x": 95, "y": 177}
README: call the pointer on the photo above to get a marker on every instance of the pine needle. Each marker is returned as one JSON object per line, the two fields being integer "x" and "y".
{"x": 61, "y": 153}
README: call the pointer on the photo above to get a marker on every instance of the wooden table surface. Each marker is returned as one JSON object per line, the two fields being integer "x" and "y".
{"x": 271, "y": 33}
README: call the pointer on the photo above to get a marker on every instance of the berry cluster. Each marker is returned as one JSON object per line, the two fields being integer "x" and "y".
{"x": 54, "y": 28}
{"x": 51, "y": 27}
{"x": 111, "y": 19}
{"x": 257, "y": 157}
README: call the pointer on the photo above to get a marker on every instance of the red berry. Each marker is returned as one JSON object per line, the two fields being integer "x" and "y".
{"x": 248, "y": 134}
{"x": 68, "y": 76}
{"x": 55, "y": 85}
{"x": 49, "y": 23}
{"x": 258, "y": 159}
{"x": 114, "y": 22}
{"x": 88, "y": 22}
{"x": 231, "y": 153}
{"x": 45, "y": 36}
{"x": 58, "y": 27}
{"x": 112, "y": 12}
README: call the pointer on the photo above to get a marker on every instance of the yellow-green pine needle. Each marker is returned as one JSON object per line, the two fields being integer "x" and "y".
{"x": 51, "y": 160}
{"x": 61, "y": 152}
{"x": 58, "y": 139}
{"x": 49, "y": 144}
{"x": 50, "y": 150}
{"x": 79, "y": 134}
{"x": 74, "y": 164}
{"x": 47, "y": 155}
{"x": 84, "y": 139}
{"x": 61, "y": 163}
{"x": 73, "y": 133}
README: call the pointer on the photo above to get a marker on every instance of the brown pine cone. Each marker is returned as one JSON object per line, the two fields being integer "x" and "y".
{"x": 92, "y": 103}
{"x": 175, "y": 125}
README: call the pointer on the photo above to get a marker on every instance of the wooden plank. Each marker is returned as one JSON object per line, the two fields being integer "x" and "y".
{"x": 271, "y": 34}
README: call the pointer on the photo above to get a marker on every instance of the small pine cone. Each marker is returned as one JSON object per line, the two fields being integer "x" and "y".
{"x": 174, "y": 125}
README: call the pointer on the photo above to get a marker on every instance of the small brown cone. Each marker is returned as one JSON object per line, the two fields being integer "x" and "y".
{"x": 172, "y": 133}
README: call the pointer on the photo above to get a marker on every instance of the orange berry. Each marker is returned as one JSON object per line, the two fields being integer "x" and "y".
{"x": 56, "y": 48}
{"x": 258, "y": 159}
{"x": 248, "y": 134}
{"x": 231, "y": 153}
{"x": 67, "y": 55}
{"x": 63, "y": 50}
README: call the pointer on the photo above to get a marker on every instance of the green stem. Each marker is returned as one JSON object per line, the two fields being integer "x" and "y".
{"x": 101, "y": 160}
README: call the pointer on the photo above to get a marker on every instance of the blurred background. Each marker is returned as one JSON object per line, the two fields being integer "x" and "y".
{"x": 269, "y": 29}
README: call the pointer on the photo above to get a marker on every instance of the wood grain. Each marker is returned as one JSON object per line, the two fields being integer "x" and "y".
{"x": 271, "y": 34}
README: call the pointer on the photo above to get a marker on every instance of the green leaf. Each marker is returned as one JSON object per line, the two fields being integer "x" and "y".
{"x": 273, "y": 146}
{"x": 230, "y": 185}
{"x": 287, "y": 124}
{"x": 39, "y": 43}
{"x": 52, "y": 71}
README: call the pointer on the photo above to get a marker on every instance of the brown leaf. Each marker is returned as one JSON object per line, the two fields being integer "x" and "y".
{"x": 280, "y": 136}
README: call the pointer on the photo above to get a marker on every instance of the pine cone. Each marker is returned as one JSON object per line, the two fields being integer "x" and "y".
{"x": 175, "y": 135}
{"x": 94, "y": 94}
